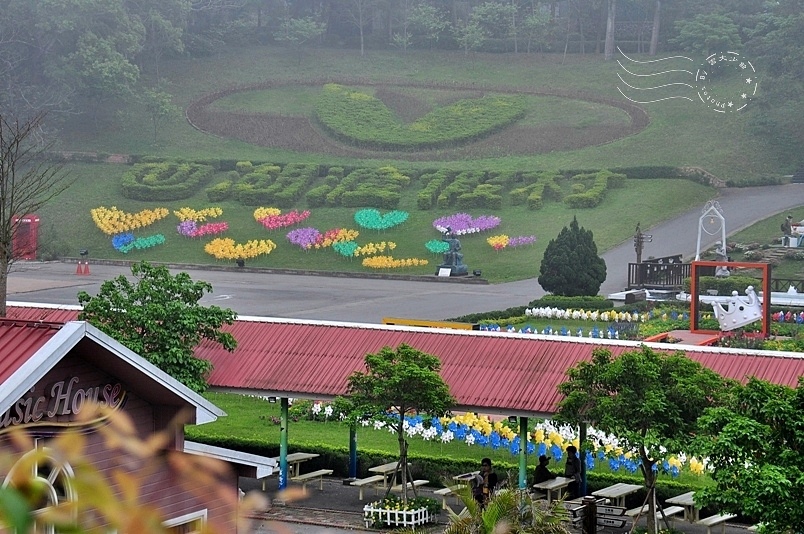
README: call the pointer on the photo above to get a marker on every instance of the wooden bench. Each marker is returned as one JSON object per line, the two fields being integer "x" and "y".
{"x": 306, "y": 478}
{"x": 446, "y": 492}
{"x": 415, "y": 483}
{"x": 712, "y": 520}
{"x": 672, "y": 511}
{"x": 642, "y": 510}
{"x": 669, "y": 512}
{"x": 362, "y": 482}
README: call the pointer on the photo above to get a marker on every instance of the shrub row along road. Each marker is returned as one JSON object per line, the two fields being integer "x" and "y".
{"x": 369, "y": 300}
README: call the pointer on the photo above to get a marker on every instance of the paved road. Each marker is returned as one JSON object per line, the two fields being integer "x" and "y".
{"x": 368, "y": 300}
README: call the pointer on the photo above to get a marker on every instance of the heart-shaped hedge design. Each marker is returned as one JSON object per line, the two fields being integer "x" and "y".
{"x": 359, "y": 118}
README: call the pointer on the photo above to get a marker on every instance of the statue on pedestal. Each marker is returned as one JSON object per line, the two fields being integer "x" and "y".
{"x": 453, "y": 258}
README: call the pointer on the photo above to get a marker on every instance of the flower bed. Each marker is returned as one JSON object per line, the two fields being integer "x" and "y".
{"x": 189, "y": 214}
{"x": 373, "y": 220}
{"x": 227, "y": 249}
{"x": 282, "y": 220}
{"x": 189, "y": 228}
{"x": 112, "y": 221}
{"x": 389, "y": 262}
{"x": 463, "y": 223}
{"x": 304, "y": 238}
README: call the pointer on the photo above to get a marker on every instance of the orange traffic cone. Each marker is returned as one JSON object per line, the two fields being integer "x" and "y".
{"x": 78, "y": 269}
{"x": 86, "y": 268}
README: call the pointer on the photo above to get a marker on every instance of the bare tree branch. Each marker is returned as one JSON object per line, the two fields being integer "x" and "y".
{"x": 27, "y": 182}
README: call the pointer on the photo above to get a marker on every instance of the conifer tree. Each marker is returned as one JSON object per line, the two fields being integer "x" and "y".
{"x": 571, "y": 265}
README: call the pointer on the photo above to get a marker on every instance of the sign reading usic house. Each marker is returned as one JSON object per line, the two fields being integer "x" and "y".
{"x": 50, "y": 375}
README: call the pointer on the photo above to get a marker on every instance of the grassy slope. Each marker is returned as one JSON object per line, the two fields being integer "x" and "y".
{"x": 612, "y": 222}
{"x": 680, "y": 133}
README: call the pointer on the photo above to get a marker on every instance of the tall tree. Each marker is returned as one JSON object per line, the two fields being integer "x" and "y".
{"x": 159, "y": 318}
{"x": 649, "y": 399}
{"x": 358, "y": 13}
{"x": 654, "y": 33}
{"x": 27, "y": 182}
{"x": 296, "y": 32}
{"x": 611, "y": 19}
{"x": 428, "y": 23}
{"x": 571, "y": 265}
{"x": 396, "y": 382}
{"x": 159, "y": 108}
{"x": 754, "y": 448}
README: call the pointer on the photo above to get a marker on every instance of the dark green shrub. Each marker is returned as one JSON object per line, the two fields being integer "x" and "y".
{"x": 317, "y": 196}
{"x": 219, "y": 192}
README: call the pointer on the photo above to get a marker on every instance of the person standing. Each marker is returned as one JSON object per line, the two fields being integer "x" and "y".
{"x": 573, "y": 470}
{"x": 484, "y": 483}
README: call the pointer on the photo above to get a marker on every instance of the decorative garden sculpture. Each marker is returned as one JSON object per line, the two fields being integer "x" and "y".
{"x": 453, "y": 258}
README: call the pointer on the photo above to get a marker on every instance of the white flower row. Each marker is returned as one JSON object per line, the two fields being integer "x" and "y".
{"x": 606, "y": 316}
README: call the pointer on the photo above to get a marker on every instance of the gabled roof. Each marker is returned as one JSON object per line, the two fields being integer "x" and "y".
{"x": 261, "y": 466}
{"x": 32, "y": 349}
{"x": 514, "y": 374}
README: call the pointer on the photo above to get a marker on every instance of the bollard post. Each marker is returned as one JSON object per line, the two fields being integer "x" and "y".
{"x": 589, "y": 515}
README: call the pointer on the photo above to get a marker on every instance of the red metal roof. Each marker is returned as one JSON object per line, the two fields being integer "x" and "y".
{"x": 19, "y": 340}
{"x": 40, "y": 312}
{"x": 485, "y": 370}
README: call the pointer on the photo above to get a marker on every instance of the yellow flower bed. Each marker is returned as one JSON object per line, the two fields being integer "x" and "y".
{"x": 227, "y": 249}
{"x": 189, "y": 214}
{"x": 112, "y": 221}
{"x": 388, "y": 262}
{"x": 342, "y": 234}
{"x": 261, "y": 213}
{"x": 371, "y": 249}
{"x": 498, "y": 242}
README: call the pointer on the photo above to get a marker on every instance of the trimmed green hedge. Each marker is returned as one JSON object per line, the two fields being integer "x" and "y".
{"x": 164, "y": 181}
{"x": 379, "y": 188}
{"x": 360, "y": 119}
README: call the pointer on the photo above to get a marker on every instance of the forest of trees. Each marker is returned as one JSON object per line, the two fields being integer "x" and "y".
{"x": 69, "y": 56}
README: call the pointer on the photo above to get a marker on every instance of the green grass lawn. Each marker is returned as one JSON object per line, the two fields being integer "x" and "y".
{"x": 68, "y": 227}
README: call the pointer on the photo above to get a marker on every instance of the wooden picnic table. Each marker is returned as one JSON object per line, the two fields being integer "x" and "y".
{"x": 465, "y": 478}
{"x": 618, "y": 492}
{"x": 691, "y": 511}
{"x": 386, "y": 469}
{"x": 295, "y": 460}
{"x": 556, "y": 485}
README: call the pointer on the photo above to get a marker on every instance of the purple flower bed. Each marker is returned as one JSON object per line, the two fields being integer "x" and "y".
{"x": 304, "y": 237}
{"x": 463, "y": 223}
{"x": 521, "y": 240}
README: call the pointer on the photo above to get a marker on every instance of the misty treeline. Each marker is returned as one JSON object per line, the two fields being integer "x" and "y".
{"x": 74, "y": 56}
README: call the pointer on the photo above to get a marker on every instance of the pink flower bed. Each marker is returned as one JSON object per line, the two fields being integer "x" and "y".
{"x": 274, "y": 222}
{"x": 191, "y": 229}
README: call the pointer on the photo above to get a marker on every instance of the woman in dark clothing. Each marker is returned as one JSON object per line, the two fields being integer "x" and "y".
{"x": 573, "y": 470}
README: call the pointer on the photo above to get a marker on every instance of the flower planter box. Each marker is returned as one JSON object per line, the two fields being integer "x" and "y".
{"x": 395, "y": 518}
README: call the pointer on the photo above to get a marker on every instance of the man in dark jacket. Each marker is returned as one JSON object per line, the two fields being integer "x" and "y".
{"x": 542, "y": 473}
